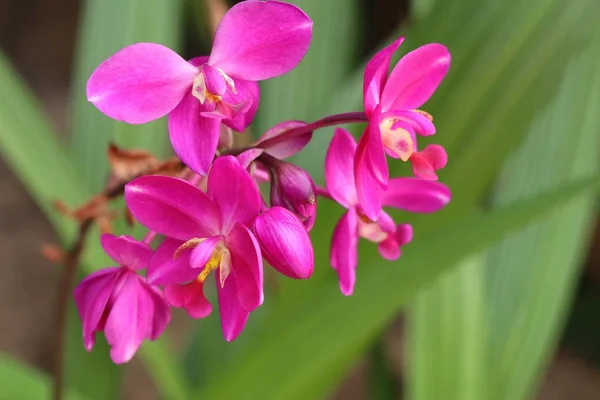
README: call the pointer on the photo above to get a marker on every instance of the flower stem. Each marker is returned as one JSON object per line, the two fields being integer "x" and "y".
{"x": 332, "y": 120}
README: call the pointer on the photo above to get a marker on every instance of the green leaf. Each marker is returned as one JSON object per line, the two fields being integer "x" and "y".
{"x": 444, "y": 352}
{"x": 531, "y": 276}
{"x": 30, "y": 146}
{"x": 107, "y": 26}
{"x": 507, "y": 61}
{"x": 19, "y": 381}
{"x": 32, "y": 150}
{"x": 525, "y": 283}
{"x": 318, "y": 351}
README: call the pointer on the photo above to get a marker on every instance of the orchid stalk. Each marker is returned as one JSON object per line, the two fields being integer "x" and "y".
{"x": 209, "y": 217}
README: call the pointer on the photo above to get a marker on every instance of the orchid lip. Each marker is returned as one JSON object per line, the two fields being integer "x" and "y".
{"x": 219, "y": 259}
{"x": 398, "y": 140}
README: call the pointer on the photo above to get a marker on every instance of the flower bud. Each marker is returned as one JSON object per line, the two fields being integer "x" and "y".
{"x": 285, "y": 243}
{"x": 293, "y": 189}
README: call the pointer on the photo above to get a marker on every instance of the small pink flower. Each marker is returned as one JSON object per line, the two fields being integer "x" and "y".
{"x": 256, "y": 40}
{"x": 206, "y": 232}
{"x": 409, "y": 194}
{"x": 391, "y": 104}
{"x": 119, "y": 302}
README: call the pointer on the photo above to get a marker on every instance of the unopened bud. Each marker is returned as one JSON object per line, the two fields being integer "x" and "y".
{"x": 293, "y": 189}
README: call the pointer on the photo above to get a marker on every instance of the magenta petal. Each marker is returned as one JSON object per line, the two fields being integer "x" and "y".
{"x": 416, "y": 195}
{"x": 194, "y": 137}
{"x": 234, "y": 192}
{"x": 344, "y": 251}
{"x": 288, "y": 147}
{"x": 91, "y": 298}
{"x": 246, "y": 91}
{"x": 246, "y": 265}
{"x": 130, "y": 319}
{"x": 404, "y": 234}
{"x": 189, "y": 297}
{"x": 214, "y": 81}
{"x": 426, "y": 162}
{"x": 285, "y": 243}
{"x": 166, "y": 267}
{"x": 126, "y": 251}
{"x": 375, "y": 151}
{"x": 368, "y": 188}
{"x": 375, "y": 75}
{"x": 419, "y": 122}
{"x": 246, "y": 158}
{"x": 257, "y": 40}
{"x": 203, "y": 251}
{"x": 233, "y": 316}
{"x": 171, "y": 207}
{"x": 339, "y": 168}
{"x": 416, "y": 77}
{"x": 140, "y": 83}
{"x": 389, "y": 249}
{"x": 162, "y": 312}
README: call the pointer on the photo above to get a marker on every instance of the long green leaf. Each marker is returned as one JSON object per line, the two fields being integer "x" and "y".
{"x": 317, "y": 350}
{"x": 106, "y": 27}
{"x": 528, "y": 278}
{"x": 19, "y": 381}
{"x": 531, "y": 276}
{"x": 504, "y": 87}
{"x": 32, "y": 150}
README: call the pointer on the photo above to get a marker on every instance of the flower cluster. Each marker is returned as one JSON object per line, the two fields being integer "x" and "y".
{"x": 213, "y": 218}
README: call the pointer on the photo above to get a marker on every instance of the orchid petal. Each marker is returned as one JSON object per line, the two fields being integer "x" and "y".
{"x": 140, "y": 83}
{"x": 213, "y": 80}
{"x": 426, "y": 162}
{"x": 344, "y": 251}
{"x": 389, "y": 249}
{"x": 203, "y": 252}
{"x": 246, "y": 91}
{"x": 233, "y": 191}
{"x": 233, "y": 316}
{"x": 370, "y": 171}
{"x": 194, "y": 137}
{"x": 171, "y": 264}
{"x": 189, "y": 297}
{"x": 421, "y": 123}
{"x": 126, "y": 251}
{"x": 416, "y": 195}
{"x": 288, "y": 147}
{"x": 339, "y": 168}
{"x": 172, "y": 207}
{"x": 285, "y": 243}
{"x": 258, "y": 40}
{"x": 162, "y": 312}
{"x": 246, "y": 264}
{"x": 91, "y": 298}
{"x": 375, "y": 75}
{"x": 130, "y": 319}
{"x": 416, "y": 77}
{"x": 247, "y": 157}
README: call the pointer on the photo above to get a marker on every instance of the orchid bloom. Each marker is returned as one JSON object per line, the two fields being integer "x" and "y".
{"x": 256, "y": 40}
{"x": 210, "y": 232}
{"x": 120, "y": 302}
{"x": 408, "y": 194}
{"x": 392, "y": 107}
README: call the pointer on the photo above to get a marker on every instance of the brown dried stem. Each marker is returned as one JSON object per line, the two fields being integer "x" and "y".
{"x": 86, "y": 215}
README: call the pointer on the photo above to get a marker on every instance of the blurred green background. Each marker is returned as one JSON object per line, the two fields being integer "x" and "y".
{"x": 496, "y": 298}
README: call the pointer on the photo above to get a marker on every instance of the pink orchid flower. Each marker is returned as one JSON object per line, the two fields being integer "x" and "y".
{"x": 210, "y": 232}
{"x": 120, "y": 302}
{"x": 392, "y": 106}
{"x": 256, "y": 40}
{"x": 408, "y": 194}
